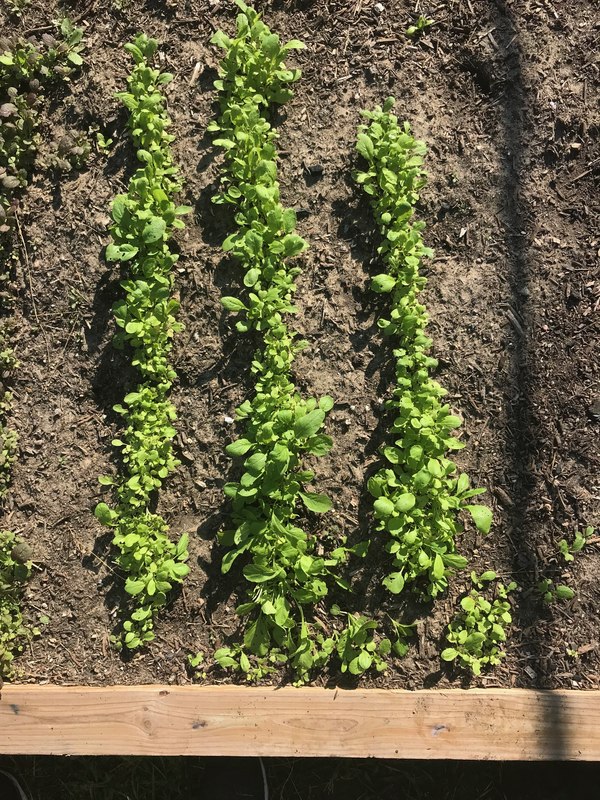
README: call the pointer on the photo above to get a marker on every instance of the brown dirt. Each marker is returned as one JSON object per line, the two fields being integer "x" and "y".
{"x": 506, "y": 96}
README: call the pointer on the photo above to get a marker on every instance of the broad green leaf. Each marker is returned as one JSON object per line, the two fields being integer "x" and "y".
{"x": 383, "y": 506}
{"x": 154, "y": 230}
{"x": 365, "y": 147}
{"x": 238, "y": 448}
{"x": 564, "y": 592}
{"x": 405, "y": 502}
{"x": 257, "y": 574}
{"x": 232, "y": 304}
{"x": 394, "y": 582}
{"x": 104, "y": 514}
{"x": 449, "y": 654}
{"x": 319, "y": 503}
{"x": 383, "y": 283}
{"x": 309, "y": 424}
{"x": 482, "y": 517}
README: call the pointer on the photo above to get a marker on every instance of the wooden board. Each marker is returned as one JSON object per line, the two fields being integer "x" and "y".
{"x": 506, "y": 724}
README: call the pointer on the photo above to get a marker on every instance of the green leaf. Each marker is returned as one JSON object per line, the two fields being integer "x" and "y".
{"x": 405, "y": 502}
{"x": 154, "y": 230}
{"x": 294, "y": 44}
{"x": 251, "y": 277}
{"x": 365, "y": 660}
{"x": 365, "y": 147}
{"x": 75, "y": 58}
{"x": 232, "y": 304}
{"x": 104, "y": 514}
{"x": 257, "y": 574}
{"x": 564, "y": 592}
{"x": 438, "y": 567}
{"x": 319, "y": 503}
{"x": 293, "y": 244}
{"x": 394, "y": 582}
{"x": 449, "y": 654}
{"x": 238, "y": 448}
{"x": 309, "y": 424}
{"x": 482, "y": 517}
{"x": 383, "y": 507}
{"x": 121, "y": 252}
{"x": 383, "y": 283}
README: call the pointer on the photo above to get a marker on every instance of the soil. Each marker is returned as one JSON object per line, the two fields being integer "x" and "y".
{"x": 506, "y": 96}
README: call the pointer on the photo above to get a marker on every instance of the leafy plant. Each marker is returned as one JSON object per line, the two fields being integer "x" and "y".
{"x": 419, "y": 26}
{"x": 418, "y": 491}
{"x": 551, "y": 592}
{"x": 285, "y": 571}
{"x": 568, "y": 551}
{"x": 478, "y": 632}
{"x": 143, "y": 222}
{"x": 15, "y": 569}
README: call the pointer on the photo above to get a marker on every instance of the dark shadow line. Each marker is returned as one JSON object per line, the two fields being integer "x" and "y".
{"x": 514, "y": 215}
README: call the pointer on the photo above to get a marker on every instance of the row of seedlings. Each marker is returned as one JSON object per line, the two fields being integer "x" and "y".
{"x": 143, "y": 223}
{"x": 26, "y": 69}
{"x": 418, "y": 491}
{"x": 285, "y": 575}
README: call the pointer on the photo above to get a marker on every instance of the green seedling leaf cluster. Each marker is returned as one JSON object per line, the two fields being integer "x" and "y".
{"x": 569, "y": 550}
{"x": 143, "y": 222}
{"x": 418, "y": 492}
{"x": 15, "y": 569}
{"x": 477, "y": 634}
{"x": 285, "y": 572}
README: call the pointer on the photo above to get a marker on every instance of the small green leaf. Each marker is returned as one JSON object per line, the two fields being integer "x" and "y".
{"x": 482, "y": 517}
{"x": 564, "y": 592}
{"x": 394, "y": 582}
{"x": 104, "y": 514}
{"x": 319, "y": 503}
{"x": 449, "y": 654}
{"x": 238, "y": 448}
{"x": 383, "y": 283}
{"x": 383, "y": 507}
{"x": 232, "y": 304}
{"x": 154, "y": 230}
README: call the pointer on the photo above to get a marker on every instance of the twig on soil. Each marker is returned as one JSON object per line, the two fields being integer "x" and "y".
{"x": 32, "y": 296}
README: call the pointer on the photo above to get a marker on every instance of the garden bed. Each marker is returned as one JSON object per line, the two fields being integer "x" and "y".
{"x": 506, "y": 96}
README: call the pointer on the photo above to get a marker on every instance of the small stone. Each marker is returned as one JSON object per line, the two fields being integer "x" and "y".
{"x": 379, "y": 8}
{"x": 228, "y": 420}
{"x": 594, "y": 410}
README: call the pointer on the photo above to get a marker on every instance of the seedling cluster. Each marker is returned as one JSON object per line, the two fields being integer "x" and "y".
{"x": 478, "y": 632}
{"x": 418, "y": 491}
{"x": 15, "y": 569}
{"x": 143, "y": 221}
{"x": 285, "y": 575}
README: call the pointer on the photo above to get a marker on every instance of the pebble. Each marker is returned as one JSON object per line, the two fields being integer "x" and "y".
{"x": 228, "y": 420}
{"x": 594, "y": 410}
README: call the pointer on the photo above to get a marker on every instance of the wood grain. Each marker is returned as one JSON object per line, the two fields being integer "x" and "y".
{"x": 505, "y": 724}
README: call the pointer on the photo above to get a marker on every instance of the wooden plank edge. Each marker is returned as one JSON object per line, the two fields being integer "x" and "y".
{"x": 473, "y": 724}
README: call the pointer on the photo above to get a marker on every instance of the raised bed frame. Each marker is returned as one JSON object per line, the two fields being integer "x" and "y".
{"x": 497, "y": 724}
